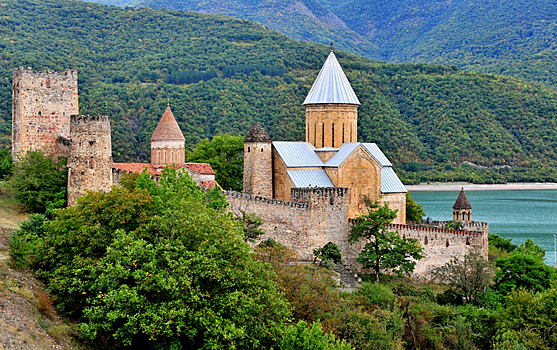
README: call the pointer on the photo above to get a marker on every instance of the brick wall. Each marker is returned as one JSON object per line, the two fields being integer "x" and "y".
{"x": 42, "y": 103}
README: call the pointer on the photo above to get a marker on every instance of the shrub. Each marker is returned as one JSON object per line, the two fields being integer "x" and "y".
{"x": 301, "y": 337}
{"x": 377, "y": 294}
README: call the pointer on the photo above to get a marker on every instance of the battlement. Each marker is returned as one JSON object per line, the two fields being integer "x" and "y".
{"x": 320, "y": 196}
{"x": 41, "y": 76}
{"x": 434, "y": 229}
{"x": 78, "y": 119}
{"x": 263, "y": 200}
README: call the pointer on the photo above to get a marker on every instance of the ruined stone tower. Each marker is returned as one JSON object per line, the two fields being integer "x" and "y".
{"x": 258, "y": 176}
{"x": 462, "y": 210}
{"x": 42, "y": 103}
{"x": 331, "y": 108}
{"x": 90, "y": 156}
{"x": 167, "y": 142}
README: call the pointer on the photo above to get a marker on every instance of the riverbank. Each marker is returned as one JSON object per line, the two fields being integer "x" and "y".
{"x": 456, "y": 186}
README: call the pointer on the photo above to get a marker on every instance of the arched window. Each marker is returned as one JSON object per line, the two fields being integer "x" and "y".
{"x": 165, "y": 161}
{"x": 159, "y": 154}
{"x": 248, "y": 149}
{"x": 172, "y": 157}
{"x": 91, "y": 163}
{"x": 333, "y": 136}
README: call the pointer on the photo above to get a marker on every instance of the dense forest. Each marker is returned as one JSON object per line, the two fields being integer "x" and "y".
{"x": 466, "y": 33}
{"x": 422, "y": 113}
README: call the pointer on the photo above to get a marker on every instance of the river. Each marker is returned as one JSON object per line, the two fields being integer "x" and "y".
{"x": 515, "y": 214}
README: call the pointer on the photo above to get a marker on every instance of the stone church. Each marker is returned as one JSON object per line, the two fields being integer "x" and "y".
{"x": 330, "y": 157}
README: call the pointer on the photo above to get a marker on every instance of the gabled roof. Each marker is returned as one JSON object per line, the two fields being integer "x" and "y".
{"x": 462, "y": 201}
{"x": 390, "y": 183}
{"x": 168, "y": 129}
{"x": 310, "y": 178}
{"x": 331, "y": 85}
{"x": 297, "y": 154}
{"x": 344, "y": 151}
{"x": 377, "y": 154}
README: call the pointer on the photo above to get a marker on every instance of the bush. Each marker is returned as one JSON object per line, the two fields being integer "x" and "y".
{"x": 38, "y": 182}
{"x": 301, "y": 337}
{"x": 24, "y": 242}
{"x": 377, "y": 294}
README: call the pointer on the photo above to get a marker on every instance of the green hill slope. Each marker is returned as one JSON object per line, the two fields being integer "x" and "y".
{"x": 415, "y": 112}
{"x": 471, "y": 34}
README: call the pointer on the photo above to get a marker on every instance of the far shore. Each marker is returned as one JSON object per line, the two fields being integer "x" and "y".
{"x": 456, "y": 186}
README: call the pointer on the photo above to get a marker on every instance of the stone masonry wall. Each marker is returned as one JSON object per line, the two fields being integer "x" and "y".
{"x": 42, "y": 103}
{"x": 397, "y": 201}
{"x": 440, "y": 245}
{"x": 258, "y": 176}
{"x": 331, "y": 125}
{"x": 316, "y": 216}
{"x": 90, "y": 157}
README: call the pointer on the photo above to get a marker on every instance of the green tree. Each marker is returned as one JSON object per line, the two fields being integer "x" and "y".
{"x": 225, "y": 154}
{"x": 25, "y": 241}
{"x": 523, "y": 270}
{"x": 529, "y": 247}
{"x": 39, "y": 181}
{"x": 157, "y": 265}
{"x": 250, "y": 224}
{"x": 384, "y": 249}
{"x": 528, "y": 320}
{"x": 6, "y": 163}
{"x": 329, "y": 254}
{"x": 470, "y": 275}
{"x": 414, "y": 211}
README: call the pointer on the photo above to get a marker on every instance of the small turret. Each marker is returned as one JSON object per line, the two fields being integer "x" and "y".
{"x": 258, "y": 176}
{"x": 462, "y": 210}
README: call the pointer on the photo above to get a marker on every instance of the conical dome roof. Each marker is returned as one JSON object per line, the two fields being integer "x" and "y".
{"x": 331, "y": 85}
{"x": 462, "y": 201}
{"x": 168, "y": 129}
{"x": 257, "y": 133}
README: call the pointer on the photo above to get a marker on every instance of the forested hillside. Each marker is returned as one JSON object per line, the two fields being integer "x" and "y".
{"x": 471, "y": 34}
{"x": 415, "y": 112}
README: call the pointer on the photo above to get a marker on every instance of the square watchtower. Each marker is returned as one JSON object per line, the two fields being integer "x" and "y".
{"x": 43, "y": 102}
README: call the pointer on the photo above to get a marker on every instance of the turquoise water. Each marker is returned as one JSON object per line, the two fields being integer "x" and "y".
{"x": 517, "y": 214}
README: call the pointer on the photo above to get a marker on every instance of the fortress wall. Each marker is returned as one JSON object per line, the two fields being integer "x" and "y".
{"x": 440, "y": 246}
{"x": 303, "y": 226}
{"x": 316, "y": 216}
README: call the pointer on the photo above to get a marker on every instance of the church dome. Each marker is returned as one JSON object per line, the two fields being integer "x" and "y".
{"x": 331, "y": 85}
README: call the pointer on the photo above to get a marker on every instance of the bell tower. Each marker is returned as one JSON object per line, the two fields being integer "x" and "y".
{"x": 331, "y": 107}
{"x": 462, "y": 210}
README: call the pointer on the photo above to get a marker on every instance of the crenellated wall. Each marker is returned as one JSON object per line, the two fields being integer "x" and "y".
{"x": 316, "y": 216}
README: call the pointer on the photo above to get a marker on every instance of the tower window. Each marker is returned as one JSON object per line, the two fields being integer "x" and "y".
{"x": 91, "y": 163}
{"x": 248, "y": 149}
{"x": 323, "y": 135}
{"x": 343, "y": 133}
{"x": 350, "y": 132}
{"x": 315, "y": 134}
{"x": 262, "y": 150}
{"x": 333, "y": 128}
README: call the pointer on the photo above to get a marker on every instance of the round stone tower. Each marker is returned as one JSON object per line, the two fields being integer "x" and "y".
{"x": 167, "y": 142}
{"x": 331, "y": 108}
{"x": 462, "y": 210}
{"x": 258, "y": 176}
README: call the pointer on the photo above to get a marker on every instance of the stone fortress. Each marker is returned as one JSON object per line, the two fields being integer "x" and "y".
{"x": 45, "y": 116}
{"x": 308, "y": 192}
{"x": 305, "y": 192}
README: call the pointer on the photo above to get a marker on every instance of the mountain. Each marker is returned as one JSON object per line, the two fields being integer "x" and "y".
{"x": 470, "y": 34}
{"x": 130, "y": 62}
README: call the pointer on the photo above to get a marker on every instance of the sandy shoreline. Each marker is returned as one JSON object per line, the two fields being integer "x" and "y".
{"x": 454, "y": 186}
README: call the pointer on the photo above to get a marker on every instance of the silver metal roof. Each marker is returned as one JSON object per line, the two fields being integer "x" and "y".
{"x": 310, "y": 178}
{"x": 344, "y": 151}
{"x": 331, "y": 85}
{"x": 390, "y": 183}
{"x": 377, "y": 154}
{"x": 298, "y": 154}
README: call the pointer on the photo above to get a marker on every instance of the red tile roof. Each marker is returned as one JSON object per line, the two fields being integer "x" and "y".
{"x": 200, "y": 168}
{"x": 168, "y": 129}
